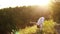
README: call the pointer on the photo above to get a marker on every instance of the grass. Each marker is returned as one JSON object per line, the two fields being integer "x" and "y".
{"x": 48, "y": 28}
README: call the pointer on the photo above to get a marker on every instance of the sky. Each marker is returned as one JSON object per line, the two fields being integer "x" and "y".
{"x": 14, "y": 3}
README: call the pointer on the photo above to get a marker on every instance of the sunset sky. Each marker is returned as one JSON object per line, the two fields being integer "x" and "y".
{"x": 13, "y": 3}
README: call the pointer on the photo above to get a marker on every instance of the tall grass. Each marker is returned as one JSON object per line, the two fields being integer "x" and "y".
{"x": 48, "y": 28}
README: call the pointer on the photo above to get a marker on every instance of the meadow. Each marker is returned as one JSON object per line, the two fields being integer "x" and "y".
{"x": 48, "y": 28}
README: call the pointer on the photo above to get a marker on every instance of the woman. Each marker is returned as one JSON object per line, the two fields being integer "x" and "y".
{"x": 40, "y": 23}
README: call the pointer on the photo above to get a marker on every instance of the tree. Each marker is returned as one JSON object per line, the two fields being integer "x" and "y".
{"x": 56, "y": 11}
{"x": 55, "y": 8}
{"x": 6, "y": 22}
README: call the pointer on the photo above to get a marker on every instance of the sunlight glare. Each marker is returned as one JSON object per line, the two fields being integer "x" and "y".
{"x": 43, "y": 2}
{"x": 14, "y": 3}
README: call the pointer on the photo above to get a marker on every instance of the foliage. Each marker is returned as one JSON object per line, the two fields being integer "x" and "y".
{"x": 55, "y": 8}
{"x": 48, "y": 28}
{"x": 20, "y": 17}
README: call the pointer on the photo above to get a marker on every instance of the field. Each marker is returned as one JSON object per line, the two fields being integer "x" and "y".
{"x": 48, "y": 28}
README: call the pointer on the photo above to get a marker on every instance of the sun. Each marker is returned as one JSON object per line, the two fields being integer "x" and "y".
{"x": 43, "y": 2}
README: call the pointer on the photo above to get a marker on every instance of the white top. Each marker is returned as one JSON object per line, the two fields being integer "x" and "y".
{"x": 40, "y": 21}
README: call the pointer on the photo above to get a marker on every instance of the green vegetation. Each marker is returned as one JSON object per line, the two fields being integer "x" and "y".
{"x": 48, "y": 28}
